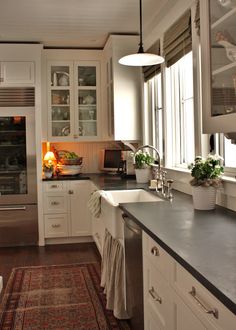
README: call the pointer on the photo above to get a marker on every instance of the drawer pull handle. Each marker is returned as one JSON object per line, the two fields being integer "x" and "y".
{"x": 55, "y": 203}
{"x": 207, "y": 310}
{"x": 54, "y": 186}
{"x": 155, "y": 251}
{"x": 154, "y": 295}
{"x": 57, "y": 225}
{"x": 71, "y": 192}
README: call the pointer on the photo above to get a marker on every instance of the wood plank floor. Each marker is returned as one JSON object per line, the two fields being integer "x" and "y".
{"x": 47, "y": 255}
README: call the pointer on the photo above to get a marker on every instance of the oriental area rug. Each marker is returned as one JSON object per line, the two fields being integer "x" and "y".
{"x": 61, "y": 297}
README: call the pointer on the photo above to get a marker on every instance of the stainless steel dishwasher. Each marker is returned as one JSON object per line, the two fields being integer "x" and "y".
{"x": 134, "y": 272}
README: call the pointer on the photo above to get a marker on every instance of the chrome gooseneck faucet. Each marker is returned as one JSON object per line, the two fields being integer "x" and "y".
{"x": 165, "y": 190}
{"x": 153, "y": 148}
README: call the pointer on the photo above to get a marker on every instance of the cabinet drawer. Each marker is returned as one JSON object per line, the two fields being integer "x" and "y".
{"x": 157, "y": 298}
{"x": 55, "y": 186}
{"x": 56, "y": 225}
{"x": 200, "y": 300}
{"x": 159, "y": 258}
{"x": 55, "y": 203}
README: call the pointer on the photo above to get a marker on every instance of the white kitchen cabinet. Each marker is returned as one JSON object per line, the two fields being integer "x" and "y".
{"x": 218, "y": 61}
{"x": 73, "y": 100}
{"x": 16, "y": 73}
{"x": 122, "y": 91}
{"x": 80, "y": 215}
{"x": 174, "y": 299}
{"x": 65, "y": 208}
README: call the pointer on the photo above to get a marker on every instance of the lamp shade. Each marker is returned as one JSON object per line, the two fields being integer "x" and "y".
{"x": 141, "y": 59}
{"x": 49, "y": 156}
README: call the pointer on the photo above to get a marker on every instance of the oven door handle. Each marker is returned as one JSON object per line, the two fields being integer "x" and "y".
{"x": 16, "y": 208}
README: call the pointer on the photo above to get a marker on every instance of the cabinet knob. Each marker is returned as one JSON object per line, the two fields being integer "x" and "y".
{"x": 155, "y": 251}
{"x": 55, "y": 203}
{"x": 76, "y": 136}
{"x": 56, "y": 225}
{"x": 70, "y": 192}
{"x": 54, "y": 186}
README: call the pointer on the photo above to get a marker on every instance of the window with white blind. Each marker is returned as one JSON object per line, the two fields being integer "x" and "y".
{"x": 180, "y": 112}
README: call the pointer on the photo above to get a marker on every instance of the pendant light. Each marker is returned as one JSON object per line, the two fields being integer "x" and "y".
{"x": 141, "y": 58}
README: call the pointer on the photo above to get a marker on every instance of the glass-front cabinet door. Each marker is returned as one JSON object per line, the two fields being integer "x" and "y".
{"x": 60, "y": 100}
{"x": 87, "y": 100}
{"x": 218, "y": 46}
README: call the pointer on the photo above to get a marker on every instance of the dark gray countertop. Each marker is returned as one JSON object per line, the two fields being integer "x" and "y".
{"x": 203, "y": 242}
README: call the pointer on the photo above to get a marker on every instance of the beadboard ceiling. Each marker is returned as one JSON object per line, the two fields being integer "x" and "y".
{"x": 73, "y": 23}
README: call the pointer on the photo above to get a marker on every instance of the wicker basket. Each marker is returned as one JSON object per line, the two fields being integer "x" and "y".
{"x": 75, "y": 161}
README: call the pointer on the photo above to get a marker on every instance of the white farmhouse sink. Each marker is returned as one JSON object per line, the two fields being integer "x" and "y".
{"x": 111, "y": 214}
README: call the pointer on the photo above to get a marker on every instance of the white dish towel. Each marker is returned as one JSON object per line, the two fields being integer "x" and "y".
{"x": 94, "y": 203}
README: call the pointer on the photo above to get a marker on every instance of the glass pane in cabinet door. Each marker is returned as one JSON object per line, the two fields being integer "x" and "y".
{"x": 61, "y": 97}
{"x": 223, "y": 56}
{"x": 61, "y": 128}
{"x": 60, "y": 113}
{"x": 87, "y": 113}
{"x": 13, "y": 160}
{"x": 87, "y": 97}
{"x": 60, "y": 75}
{"x": 87, "y": 128}
{"x": 86, "y": 76}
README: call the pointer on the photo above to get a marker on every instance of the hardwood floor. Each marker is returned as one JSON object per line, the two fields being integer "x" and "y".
{"x": 47, "y": 255}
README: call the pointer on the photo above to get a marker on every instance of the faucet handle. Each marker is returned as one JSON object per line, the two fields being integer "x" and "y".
{"x": 169, "y": 182}
{"x": 163, "y": 175}
{"x": 169, "y": 194}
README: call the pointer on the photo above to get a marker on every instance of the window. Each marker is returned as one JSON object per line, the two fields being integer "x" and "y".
{"x": 227, "y": 150}
{"x": 229, "y": 154}
{"x": 180, "y": 112}
{"x": 153, "y": 98}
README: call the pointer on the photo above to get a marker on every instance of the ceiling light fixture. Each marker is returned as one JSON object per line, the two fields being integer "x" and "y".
{"x": 141, "y": 58}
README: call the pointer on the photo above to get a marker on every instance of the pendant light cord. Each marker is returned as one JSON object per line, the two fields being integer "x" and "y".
{"x": 141, "y": 50}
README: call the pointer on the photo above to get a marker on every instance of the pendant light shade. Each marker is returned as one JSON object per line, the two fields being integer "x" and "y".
{"x": 141, "y": 58}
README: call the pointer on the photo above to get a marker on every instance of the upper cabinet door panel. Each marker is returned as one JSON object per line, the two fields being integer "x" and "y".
{"x": 87, "y": 99}
{"x": 16, "y": 73}
{"x": 218, "y": 46}
{"x": 60, "y": 101}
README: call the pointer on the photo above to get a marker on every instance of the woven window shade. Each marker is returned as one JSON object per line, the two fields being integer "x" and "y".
{"x": 197, "y": 17}
{"x": 178, "y": 39}
{"x": 151, "y": 70}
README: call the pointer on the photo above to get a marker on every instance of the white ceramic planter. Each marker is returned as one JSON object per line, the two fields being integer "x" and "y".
{"x": 204, "y": 198}
{"x": 143, "y": 175}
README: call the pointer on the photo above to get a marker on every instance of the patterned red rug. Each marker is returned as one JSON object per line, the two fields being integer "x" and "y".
{"x": 61, "y": 297}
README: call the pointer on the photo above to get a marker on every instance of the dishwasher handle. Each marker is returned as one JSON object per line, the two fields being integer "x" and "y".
{"x": 126, "y": 219}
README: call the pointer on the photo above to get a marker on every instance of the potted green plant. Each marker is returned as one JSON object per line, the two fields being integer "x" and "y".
{"x": 143, "y": 161}
{"x": 206, "y": 175}
{"x": 48, "y": 169}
